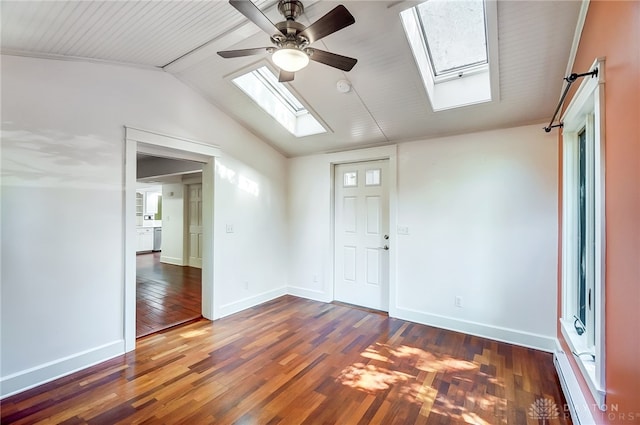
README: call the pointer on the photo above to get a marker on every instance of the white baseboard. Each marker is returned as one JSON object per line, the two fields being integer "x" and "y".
{"x": 196, "y": 264}
{"x": 172, "y": 260}
{"x": 237, "y": 306}
{"x": 581, "y": 414}
{"x": 311, "y": 294}
{"x": 511, "y": 336}
{"x": 26, "y": 379}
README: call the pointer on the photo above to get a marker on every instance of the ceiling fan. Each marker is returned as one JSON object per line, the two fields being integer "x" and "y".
{"x": 291, "y": 39}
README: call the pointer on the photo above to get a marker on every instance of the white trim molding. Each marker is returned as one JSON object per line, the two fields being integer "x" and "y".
{"x": 172, "y": 260}
{"x": 498, "y": 333}
{"x": 390, "y": 153}
{"x": 585, "y": 115}
{"x": 47, "y": 372}
{"x": 311, "y": 294}
{"x": 173, "y": 143}
{"x": 137, "y": 140}
{"x": 579, "y": 409}
{"x": 245, "y": 303}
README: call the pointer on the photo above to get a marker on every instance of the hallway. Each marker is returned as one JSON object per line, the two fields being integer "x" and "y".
{"x": 166, "y": 295}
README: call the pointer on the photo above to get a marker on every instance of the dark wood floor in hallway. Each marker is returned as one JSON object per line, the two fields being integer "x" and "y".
{"x": 296, "y": 361}
{"x": 166, "y": 295}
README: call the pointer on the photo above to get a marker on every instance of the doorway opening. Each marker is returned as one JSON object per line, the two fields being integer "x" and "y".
{"x": 168, "y": 148}
{"x": 168, "y": 287}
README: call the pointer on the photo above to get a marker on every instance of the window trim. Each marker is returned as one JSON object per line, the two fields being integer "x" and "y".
{"x": 459, "y": 71}
{"x": 586, "y": 110}
{"x": 299, "y": 123}
{"x": 270, "y": 81}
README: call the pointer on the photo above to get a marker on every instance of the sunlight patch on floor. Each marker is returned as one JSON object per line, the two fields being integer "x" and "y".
{"x": 438, "y": 383}
{"x": 194, "y": 333}
{"x": 370, "y": 378}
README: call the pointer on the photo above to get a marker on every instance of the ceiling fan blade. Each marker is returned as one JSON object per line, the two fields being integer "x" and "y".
{"x": 338, "y": 18}
{"x": 243, "y": 52}
{"x": 285, "y": 76}
{"x": 344, "y": 63}
{"x": 255, "y": 15}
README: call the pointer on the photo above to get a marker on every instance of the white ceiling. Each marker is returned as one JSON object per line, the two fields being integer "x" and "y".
{"x": 388, "y": 102}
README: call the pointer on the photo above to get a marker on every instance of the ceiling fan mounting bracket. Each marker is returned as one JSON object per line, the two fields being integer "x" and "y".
{"x": 290, "y": 9}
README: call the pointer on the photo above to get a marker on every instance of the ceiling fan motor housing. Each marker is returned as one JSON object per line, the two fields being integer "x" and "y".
{"x": 290, "y": 9}
{"x": 290, "y": 31}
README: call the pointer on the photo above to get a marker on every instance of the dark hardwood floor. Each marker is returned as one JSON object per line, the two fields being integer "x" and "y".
{"x": 166, "y": 295}
{"x": 296, "y": 361}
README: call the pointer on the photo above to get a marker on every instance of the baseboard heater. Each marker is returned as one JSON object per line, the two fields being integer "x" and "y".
{"x": 577, "y": 404}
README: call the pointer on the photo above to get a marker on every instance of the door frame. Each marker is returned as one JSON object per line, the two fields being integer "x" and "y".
{"x": 389, "y": 153}
{"x": 150, "y": 142}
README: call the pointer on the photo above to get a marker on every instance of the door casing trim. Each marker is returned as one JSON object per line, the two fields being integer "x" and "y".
{"x": 364, "y": 155}
{"x": 137, "y": 139}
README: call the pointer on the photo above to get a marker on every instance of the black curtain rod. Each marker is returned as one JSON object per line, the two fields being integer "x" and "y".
{"x": 570, "y": 80}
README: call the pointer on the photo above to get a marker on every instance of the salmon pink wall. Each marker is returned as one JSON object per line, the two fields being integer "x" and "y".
{"x": 612, "y": 30}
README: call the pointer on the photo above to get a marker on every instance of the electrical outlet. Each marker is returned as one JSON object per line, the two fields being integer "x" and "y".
{"x": 246, "y": 285}
{"x": 458, "y": 301}
{"x": 229, "y": 228}
{"x": 315, "y": 278}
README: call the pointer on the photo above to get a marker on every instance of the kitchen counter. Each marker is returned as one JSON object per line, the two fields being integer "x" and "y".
{"x": 151, "y": 223}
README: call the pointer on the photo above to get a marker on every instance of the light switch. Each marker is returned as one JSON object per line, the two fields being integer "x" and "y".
{"x": 403, "y": 230}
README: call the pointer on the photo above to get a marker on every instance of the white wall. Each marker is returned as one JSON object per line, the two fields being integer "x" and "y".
{"x": 246, "y": 199}
{"x": 62, "y": 209}
{"x": 482, "y": 216}
{"x": 310, "y": 213}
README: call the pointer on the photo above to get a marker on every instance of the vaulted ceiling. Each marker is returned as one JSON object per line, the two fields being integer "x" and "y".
{"x": 387, "y": 102}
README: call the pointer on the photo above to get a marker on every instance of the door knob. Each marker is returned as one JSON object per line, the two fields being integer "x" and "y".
{"x": 386, "y": 247}
{"x": 386, "y": 237}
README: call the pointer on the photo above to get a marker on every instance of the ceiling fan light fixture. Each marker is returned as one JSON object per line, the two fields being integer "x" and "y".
{"x": 290, "y": 60}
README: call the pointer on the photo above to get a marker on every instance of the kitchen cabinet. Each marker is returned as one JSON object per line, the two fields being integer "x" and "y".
{"x": 151, "y": 203}
{"x": 139, "y": 204}
{"x": 145, "y": 239}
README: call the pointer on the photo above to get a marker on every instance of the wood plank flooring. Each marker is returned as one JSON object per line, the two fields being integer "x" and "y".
{"x": 166, "y": 295}
{"x": 296, "y": 361}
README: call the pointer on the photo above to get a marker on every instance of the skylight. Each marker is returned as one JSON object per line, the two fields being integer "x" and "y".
{"x": 454, "y": 34}
{"x": 454, "y": 43}
{"x": 262, "y": 86}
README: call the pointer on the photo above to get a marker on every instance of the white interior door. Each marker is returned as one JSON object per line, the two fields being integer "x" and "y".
{"x": 362, "y": 229}
{"x": 195, "y": 225}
